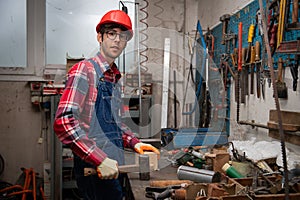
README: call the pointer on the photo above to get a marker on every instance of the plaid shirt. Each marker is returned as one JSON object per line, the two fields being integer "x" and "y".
{"x": 75, "y": 108}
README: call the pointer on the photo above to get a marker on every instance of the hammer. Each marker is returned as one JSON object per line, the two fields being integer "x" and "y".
{"x": 143, "y": 167}
{"x": 224, "y": 19}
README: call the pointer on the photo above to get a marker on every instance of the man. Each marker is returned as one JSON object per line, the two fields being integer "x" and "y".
{"x": 88, "y": 114}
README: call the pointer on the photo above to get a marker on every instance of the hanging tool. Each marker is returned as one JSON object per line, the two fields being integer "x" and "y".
{"x": 292, "y": 46}
{"x": 295, "y": 11}
{"x": 280, "y": 85}
{"x": 273, "y": 24}
{"x": 248, "y": 58}
{"x": 252, "y": 63}
{"x": 279, "y": 117}
{"x": 210, "y": 43}
{"x": 294, "y": 71}
{"x": 250, "y": 40}
{"x": 234, "y": 60}
{"x": 224, "y": 19}
{"x": 240, "y": 38}
{"x": 280, "y": 30}
{"x": 259, "y": 78}
{"x": 243, "y": 77}
{"x": 294, "y": 25}
{"x": 260, "y": 62}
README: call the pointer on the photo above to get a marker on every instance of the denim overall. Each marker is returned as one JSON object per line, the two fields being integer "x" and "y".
{"x": 105, "y": 131}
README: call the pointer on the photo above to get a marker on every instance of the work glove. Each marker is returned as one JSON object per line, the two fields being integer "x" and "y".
{"x": 108, "y": 169}
{"x": 141, "y": 147}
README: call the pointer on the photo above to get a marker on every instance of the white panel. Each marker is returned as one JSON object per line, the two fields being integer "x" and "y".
{"x": 165, "y": 90}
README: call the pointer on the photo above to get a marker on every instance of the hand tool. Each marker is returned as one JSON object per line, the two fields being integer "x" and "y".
{"x": 246, "y": 74}
{"x": 258, "y": 22}
{"x": 252, "y": 63}
{"x": 280, "y": 85}
{"x": 279, "y": 117}
{"x": 160, "y": 193}
{"x": 294, "y": 71}
{"x": 273, "y": 37}
{"x": 295, "y": 11}
{"x": 234, "y": 57}
{"x": 230, "y": 40}
{"x": 224, "y": 19}
{"x": 250, "y": 39}
{"x": 294, "y": 25}
{"x": 280, "y": 30}
{"x": 292, "y": 46}
{"x": 143, "y": 167}
{"x": 273, "y": 24}
{"x": 243, "y": 77}
{"x": 240, "y": 38}
{"x": 260, "y": 61}
{"x": 210, "y": 43}
{"x": 286, "y": 15}
{"x": 259, "y": 77}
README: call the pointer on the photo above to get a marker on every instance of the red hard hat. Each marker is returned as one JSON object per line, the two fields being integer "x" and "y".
{"x": 116, "y": 17}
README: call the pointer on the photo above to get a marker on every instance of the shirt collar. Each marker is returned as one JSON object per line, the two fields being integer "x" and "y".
{"x": 104, "y": 66}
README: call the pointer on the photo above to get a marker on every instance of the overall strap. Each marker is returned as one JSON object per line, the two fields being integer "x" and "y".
{"x": 97, "y": 68}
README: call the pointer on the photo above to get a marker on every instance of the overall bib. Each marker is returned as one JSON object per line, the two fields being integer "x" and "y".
{"x": 105, "y": 131}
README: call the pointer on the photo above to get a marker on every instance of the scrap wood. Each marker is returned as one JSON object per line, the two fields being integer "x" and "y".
{"x": 166, "y": 183}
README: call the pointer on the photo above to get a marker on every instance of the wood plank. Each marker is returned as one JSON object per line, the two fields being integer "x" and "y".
{"x": 291, "y": 137}
{"x": 285, "y": 126}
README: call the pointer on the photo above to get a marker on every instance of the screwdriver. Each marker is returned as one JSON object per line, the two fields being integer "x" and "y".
{"x": 250, "y": 39}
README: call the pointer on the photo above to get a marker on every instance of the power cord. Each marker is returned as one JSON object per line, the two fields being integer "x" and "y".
{"x": 124, "y": 8}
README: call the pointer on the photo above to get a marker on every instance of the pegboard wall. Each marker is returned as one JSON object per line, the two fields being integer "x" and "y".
{"x": 247, "y": 16}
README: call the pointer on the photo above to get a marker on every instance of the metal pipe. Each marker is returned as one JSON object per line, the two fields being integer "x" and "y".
{"x": 198, "y": 175}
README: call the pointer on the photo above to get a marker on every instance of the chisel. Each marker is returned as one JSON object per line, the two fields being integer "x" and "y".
{"x": 243, "y": 78}
{"x": 252, "y": 63}
{"x": 259, "y": 78}
{"x": 240, "y": 47}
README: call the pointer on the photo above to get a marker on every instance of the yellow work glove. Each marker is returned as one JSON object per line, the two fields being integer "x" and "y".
{"x": 108, "y": 169}
{"x": 141, "y": 147}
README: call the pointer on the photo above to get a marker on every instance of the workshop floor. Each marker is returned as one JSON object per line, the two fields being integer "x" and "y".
{"x": 138, "y": 186}
{"x": 165, "y": 172}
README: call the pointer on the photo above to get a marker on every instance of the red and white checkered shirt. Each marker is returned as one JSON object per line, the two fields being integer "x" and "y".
{"x": 75, "y": 108}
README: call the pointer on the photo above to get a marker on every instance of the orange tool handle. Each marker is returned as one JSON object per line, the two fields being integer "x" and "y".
{"x": 240, "y": 37}
{"x": 251, "y": 33}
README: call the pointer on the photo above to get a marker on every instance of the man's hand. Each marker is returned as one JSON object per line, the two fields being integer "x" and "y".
{"x": 108, "y": 169}
{"x": 141, "y": 147}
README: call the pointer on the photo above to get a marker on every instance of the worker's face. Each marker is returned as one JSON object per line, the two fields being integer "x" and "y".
{"x": 112, "y": 43}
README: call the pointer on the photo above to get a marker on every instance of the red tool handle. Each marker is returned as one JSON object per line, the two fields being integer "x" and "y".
{"x": 240, "y": 37}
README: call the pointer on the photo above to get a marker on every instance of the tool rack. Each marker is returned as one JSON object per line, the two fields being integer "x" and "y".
{"x": 247, "y": 15}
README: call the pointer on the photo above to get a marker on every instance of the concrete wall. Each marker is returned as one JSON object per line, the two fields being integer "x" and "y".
{"x": 20, "y": 129}
{"x": 210, "y": 11}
